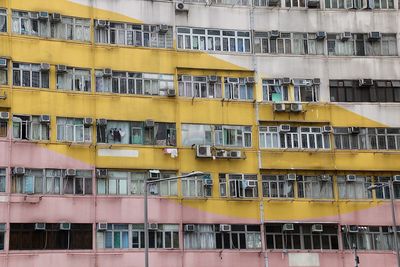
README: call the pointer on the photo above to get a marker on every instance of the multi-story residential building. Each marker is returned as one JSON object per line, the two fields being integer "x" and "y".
{"x": 290, "y": 109}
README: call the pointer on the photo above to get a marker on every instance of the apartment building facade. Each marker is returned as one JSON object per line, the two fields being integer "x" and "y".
{"x": 289, "y": 108}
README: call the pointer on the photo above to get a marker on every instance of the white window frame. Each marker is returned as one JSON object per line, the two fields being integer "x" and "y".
{"x": 200, "y": 189}
{"x": 316, "y": 185}
{"x": 76, "y": 127}
{"x": 271, "y": 85}
{"x": 277, "y": 186}
{"x": 3, "y": 19}
{"x": 23, "y": 68}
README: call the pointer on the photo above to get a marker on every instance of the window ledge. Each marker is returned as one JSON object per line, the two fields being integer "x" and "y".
{"x": 109, "y": 146}
{"x": 172, "y": 49}
{"x": 13, "y": 34}
{"x": 23, "y": 141}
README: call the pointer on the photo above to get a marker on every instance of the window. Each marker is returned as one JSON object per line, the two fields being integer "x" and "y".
{"x": 28, "y": 23}
{"x": 367, "y": 138}
{"x": 30, "y": 75}
{"x": 134, "y": 35}
{"x": 30, "y": 128}
{"x": 237, "y": 88}
{"x": 164, "y": 188}
{"x": 351, "y": 91}
{"x": 218, "y": 135}
{"x": 80, "y": 184}
{"x": 2, "y": 180}
{"x": 354, "y": 188}
{"x": 383, "y": 192}
{"x": 209, "y": 236}
{"x": 266, "y": 3}
{"x": 196, "y": 186}
{"x": 70, "y": 28}
{"x": 23, "y": 236}
{"x": 52, "y": 182}
{"x": 74, "y": 79}
{"x": 213, "y": 40}
{"x": 238, "y": 185}
{"x": 274, "y": 91}
{"x": 73, "y": 130}
{"x": 115, "y": 184}
{"x": 295, "y": 3}
{"x": 231, "y": 2}
{"x": 165, "y": 236}
{"x": 305, "y": 91}
{"x": 124, "y": 236}
{"x": 314, "y": 187}
{"x": 343, "y": 4}
{"x": 3, "y": 70}
{"x": 199, "y": 86}
{"x": 368, "y": 237}
{"x": 359, "y": 45}
{"x": 3, "y": 128}
{"x": 134, "y": 83}
{"x": 3, "y": 20}
{"x": 296, "y": 137}
{"x": 302, "y": 237}
{"x": 277, "y": 186}
{"x": 2, "y": 235}
{"x": 121, "y": 183}
{"x": 122, "y": 132}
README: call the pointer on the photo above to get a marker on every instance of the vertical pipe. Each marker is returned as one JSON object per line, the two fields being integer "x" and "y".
{"x": 146, "y": 225}
{"x": 396, "y": 245}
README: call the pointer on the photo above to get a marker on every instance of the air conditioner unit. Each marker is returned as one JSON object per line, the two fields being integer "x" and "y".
{"x": 374, "y": 36}
{"x": 208, "y": 182}
{"x": 291, "y": 177}
{"x": 107, "y": 72}
{"x": 45, "y": 119}
{"x": 61, "y": 68}
{"x": 102, "y": 226}
{"x": 284, "y": 128}
{"x": 87, "y": 121}
{"x": 274, "y": 34}
{"x": 316, "y": 81}
{"x": 153, "y": 226}
{"x": 43, "y": 15}
{"x": 313, "y": 4}
{"x": 288, "y": 227}
{"x": 354, "y": 130}
{"x": 396, "y": 178}
{"x": 352, "y": 228}
{"x": 317, "y": 228}
{"x": 101, "y": 173}
{"x": 65, "y": 226}
{"x": 326, "y": 178}
{"x": 33, "y": 15}
{"x": 3, "y": 62}
{"x": 180, "y": 6}
{"x": 231, "y": 80}
{"x": 251, "y": 184}
{"x": 4, "y": 115}
{"x": 101, "y": 122}
{"x": 189, "y": 227}
{"x": 221, "y": 153}
{"x": 70, "y": 172}
{"x": 351, "y": 178}
{"x": 149, "y": 123}
{"x": 225, "y": 228}
{"x": 320, "y": 35}
{"x": 250, "y": 80}
{"x": 55, "y": 17}
{"x": 296, "y": 107}
{"x": 40, "y": 226}
{"x": 285, "y": 81}
{"x": 44, "y": 66}
{"x": 212, "y": 78}
{"x": 366, "y": 82}
{"x": 154, "y": 174}
{"x": 203, "y": 151}
{"x": 101, "y": 23}
{"x": 235, "y": 154}
{"x": 162, "y": 28}
{"x": 279, "y": 107}
{"x": 327, "y": 129}
{"x": 171, "y": 92}
{"x": 345, "y": 36}
{"x": 19, "y": 171}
